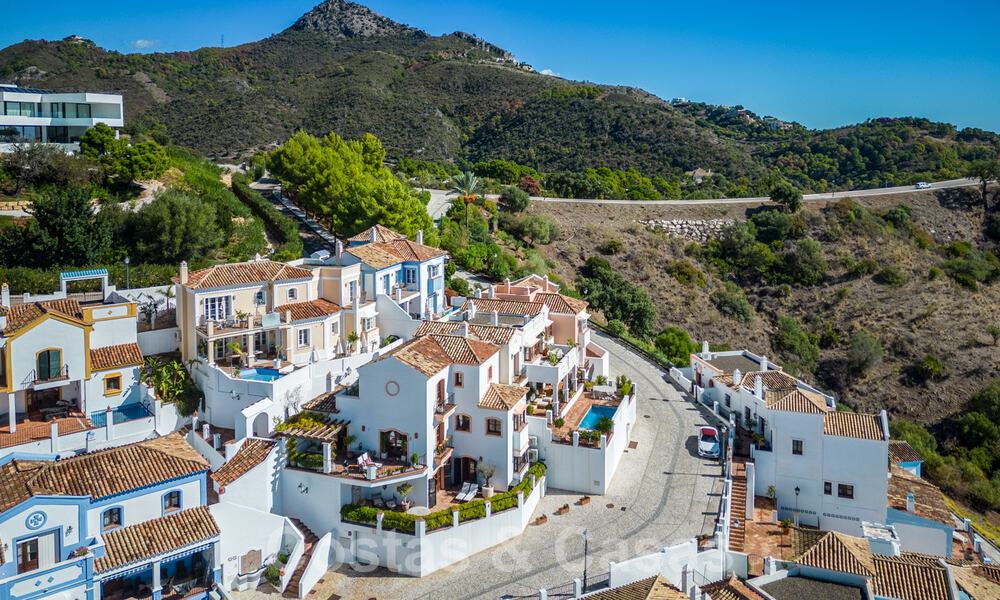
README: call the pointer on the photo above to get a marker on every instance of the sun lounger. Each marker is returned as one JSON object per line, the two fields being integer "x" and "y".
{"x": 379, "y": 503}
{"x": 390, "y": 503}
{"x": 468, "y": 492}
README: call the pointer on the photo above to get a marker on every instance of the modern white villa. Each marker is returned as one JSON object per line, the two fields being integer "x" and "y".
{"x": 30, "y": 115}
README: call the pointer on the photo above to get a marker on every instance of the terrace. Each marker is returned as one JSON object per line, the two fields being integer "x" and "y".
{"x": 34, "y": 429}
{"x": 579, "y": 417}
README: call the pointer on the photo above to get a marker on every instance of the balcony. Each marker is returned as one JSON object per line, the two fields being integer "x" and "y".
{"x": 443, "y": 452}
{"x": 43, "y": 381}
{"x": 444, "y": 408}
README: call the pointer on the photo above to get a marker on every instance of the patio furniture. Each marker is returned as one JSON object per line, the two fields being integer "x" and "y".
{"x": 364, "y": 461}
{"x": 378, "y": 502}
{"x": 390, "y": 503}
{"x": 468, "y": 492}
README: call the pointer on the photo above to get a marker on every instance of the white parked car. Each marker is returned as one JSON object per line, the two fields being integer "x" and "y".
{"x": 923, "y": 185}
{"x": 708, "y": 442}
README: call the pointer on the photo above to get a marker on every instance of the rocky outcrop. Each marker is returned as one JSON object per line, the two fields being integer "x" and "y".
{"x": 689, "y": 229}
{"x": 341, "y": 20}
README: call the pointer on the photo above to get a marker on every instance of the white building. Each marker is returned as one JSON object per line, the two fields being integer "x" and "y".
{"x": 827, "y": 468}
{"x": 29, "y": 115}
{"x": 95, "y": 527}
{"x": 70, "y": 377}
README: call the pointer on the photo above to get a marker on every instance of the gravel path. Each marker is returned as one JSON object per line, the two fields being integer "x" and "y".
{"x": 661, "y": 494}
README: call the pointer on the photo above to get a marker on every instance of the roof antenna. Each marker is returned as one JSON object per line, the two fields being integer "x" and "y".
{"x": 222, "y": 40}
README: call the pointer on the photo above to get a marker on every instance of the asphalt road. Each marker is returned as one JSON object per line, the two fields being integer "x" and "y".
{"x": 441, "y": 199}
{"x": 662, "y": 494}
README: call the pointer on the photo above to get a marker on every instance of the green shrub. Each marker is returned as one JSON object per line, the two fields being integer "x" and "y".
{"x": 685, "y": 272}
{"x": 864, "y": 351}
{"x": 732, "y": 302}
{"x": 930, "y": 368}
{"x": 617, "y": 328}
{"x": 514, "y": 199}
{"x": 612, "y": 246}
{"x": 891, "y": 275}
{"x": 800, "y": 346}
{"x": 676, "y": 345}
{"x": 284, "y": 229}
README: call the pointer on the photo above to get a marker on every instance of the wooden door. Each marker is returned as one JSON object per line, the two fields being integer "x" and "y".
{"x": 27, "y": 555}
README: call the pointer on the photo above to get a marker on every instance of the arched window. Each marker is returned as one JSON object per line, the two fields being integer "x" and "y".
{"x": 49, "y": 364}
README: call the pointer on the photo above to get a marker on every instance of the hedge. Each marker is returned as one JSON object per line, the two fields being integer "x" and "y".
{"x": 470, "y": 511}
{"x": 283, "y": 228}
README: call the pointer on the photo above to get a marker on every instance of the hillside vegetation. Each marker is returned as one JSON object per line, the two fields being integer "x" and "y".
{"x": 456, "y": 99}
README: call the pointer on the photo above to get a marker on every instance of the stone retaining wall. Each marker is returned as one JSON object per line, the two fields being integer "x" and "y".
{"x": 689, "y": 229}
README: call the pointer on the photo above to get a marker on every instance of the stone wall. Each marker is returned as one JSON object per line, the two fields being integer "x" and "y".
{"x": 690, "y": 229}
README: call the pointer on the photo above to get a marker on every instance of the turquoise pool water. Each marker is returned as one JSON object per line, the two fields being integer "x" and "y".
{"x": 260, "y": 374}
{"x": 594, "y": 415}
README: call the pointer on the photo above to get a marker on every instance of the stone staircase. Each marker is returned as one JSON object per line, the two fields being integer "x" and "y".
{"x": 738, "y": 511}
{"x": 293, "y": 589}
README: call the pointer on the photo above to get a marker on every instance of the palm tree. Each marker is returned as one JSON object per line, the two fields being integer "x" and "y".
{"x": 167, "y": 293}
{"x": 467, "y": 186}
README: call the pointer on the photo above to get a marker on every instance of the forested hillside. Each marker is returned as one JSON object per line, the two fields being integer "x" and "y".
{"x": 458, "y": 99}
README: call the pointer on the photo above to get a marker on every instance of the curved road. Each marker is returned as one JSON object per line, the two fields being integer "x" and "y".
{"x": 661, "y": 494}
{"x": 441, "y": 199}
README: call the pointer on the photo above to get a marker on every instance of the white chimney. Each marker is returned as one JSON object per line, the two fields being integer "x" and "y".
{"x": 463, "y": 330}
{"x": 882, "y": 539}
{"x": 420, "y": 237}
{"x": 184, "y": 272}
{"x": 479, "y": 293}
{"x": 470, "y": 313}
{"x": 758, "y": 387}
{"x": 737, "y": 377}
{"x": 256, "y": 257}
{"x": 492, "y": 292}
{"x": 5, "y": 295}
{"x": 763, "y": 363}
{"x": 494, "y": 318}
{"x": 339, "y": 251}
{"x": 911, "y": 503}
{"x": 705, "y": 349}
{"x": 373, "y": 235}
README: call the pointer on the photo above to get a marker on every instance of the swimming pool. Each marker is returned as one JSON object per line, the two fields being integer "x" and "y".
{"x": 594, "y": 415}
{"x": 260, "y": 374}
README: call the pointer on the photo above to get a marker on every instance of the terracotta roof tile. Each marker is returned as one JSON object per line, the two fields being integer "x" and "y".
{"x": 116, "y": 470}
{"x": 377, "y": 256}
{"x": 906, "y": 580}
{"x": 978, "y": 582}
{"x": 560, "y": 303}
{"x": 432, "y": 353}
{"x": 772, "y": 380}
{"x": 801, "y": 401}
{"x": 536, "y": 280}
{"x": 929, "y": 500}
{"x": 839, "y": 552}
{"x": 438, "y": 327}
{"x": 730, "y": 589}
{"x": 30, "y": 431}
{"x": 500, "y": 396}
{"x": 856, "y": 425}
{"x": 244, "y": 273}
{"x": 414, "y": 252}
{"x": 325, "y": 403}
{"x": 504, "y": 307}
{"x": 312, "y": 309}
{"x": 253, "y": 452}
{"x": 382, "y": 234}
{"x": 494, "y": 334}
{"x": 651, "y": 588}
{"x": 900, "y": 451}
{"x": 111, "y": 357}
{"x": 20, "y": 315}
{"x": 140, "y": 542}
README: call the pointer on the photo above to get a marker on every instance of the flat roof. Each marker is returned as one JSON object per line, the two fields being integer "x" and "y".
{"x": 728, "y": 364}
{"x": 795, "y": 587}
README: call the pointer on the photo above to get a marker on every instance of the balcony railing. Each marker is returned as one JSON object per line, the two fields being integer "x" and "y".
{"x": 59, "y": 375}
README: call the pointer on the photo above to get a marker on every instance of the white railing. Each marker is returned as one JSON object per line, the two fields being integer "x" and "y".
{"x": 319, "y": 562}
{"x": 294, "y": 556}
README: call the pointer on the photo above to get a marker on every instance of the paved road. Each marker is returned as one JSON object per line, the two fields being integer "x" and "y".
{"x": 440, "y": 200}
{"x": 661, "y": 494}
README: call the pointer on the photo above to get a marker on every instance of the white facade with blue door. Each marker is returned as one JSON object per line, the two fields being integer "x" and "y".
{"x": 118, "y": 523}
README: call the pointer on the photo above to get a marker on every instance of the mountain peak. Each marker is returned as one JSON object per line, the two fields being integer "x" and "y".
{"x": 340, "y": 20}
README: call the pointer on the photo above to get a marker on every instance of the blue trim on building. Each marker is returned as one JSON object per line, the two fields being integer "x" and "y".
{"x": 163, "y": 502}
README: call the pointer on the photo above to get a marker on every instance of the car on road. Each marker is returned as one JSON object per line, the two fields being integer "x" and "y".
{"x": 708, "y": 442}
{"x": 923, "y": 185}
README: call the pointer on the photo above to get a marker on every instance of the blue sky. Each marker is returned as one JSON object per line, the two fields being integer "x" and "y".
{"x": 823, "y": 64}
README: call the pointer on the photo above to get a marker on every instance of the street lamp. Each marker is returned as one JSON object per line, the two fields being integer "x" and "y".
{"x": 586, "y": 544}
{"x": 797, "y": 490}
{"x": 128, "y": 279}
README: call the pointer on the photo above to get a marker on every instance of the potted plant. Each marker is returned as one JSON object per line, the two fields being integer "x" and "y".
{"x": 771, "y": 492}
{"x": 236, "y": 351}
{"x": 242, "y": 317}
{"x": 404, "y": 490}
{"x": 414, "y": 459}
{"x": 487, "y": 471}
{"x": 279, "y": 355}
{"x": 352, "y": 340}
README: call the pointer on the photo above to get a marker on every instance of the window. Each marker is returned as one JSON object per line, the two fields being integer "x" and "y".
{"x": 56, "y": 110}
{"x": 352, "y": 291}
{"x": 334, "y": 328}
{"x": 217, "y": 308}
{"x": 220, "y": 350}
{"x": 259, "y": 298}
{"x": 83, "y": 111}
{"x": 729, "y": 401}
{"x": 433, "y": 271}
{"x": 845, "y": 491}
{"x": 293, "y": 294}
{"x": 27, "y": 555}
{"x": 386, "y": 285}
{"x": 112, "y": 385}
{"x": 459, "y": 379}
{"x": 489, "y": 373}
{"x": 111, "y": 519}
{"x": 171, "y": 501}
{"x": 827, "y": 488}
{"x": 797, "y": 447}
{"x": 493, "y": 426}
{"x": 463, "y": 423}
{"x": 367, "y": 323}
{"x": 410, "y": 275}
{"x": 49, "y": 365}
{"x": 303, "y": 337}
